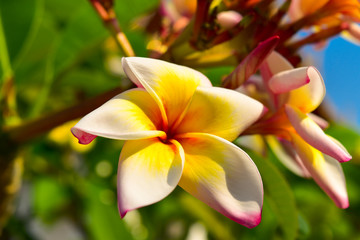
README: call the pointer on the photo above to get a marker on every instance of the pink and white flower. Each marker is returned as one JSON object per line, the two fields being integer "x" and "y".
{"x": 294, "y": 133}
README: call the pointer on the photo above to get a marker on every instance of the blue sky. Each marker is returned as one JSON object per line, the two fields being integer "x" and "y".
{"x": 339, "y": 64}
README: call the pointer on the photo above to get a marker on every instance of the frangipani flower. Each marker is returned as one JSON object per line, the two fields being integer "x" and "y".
{"x": 166, "y": 23}
{"x": 177, "y": 9}
{"x": 179, "y": 131}
{"x": 292, "y": 94}
{"x": 330, "y": 12}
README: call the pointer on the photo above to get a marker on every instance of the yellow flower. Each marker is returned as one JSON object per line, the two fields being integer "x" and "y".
{"x": 179, "y": 131}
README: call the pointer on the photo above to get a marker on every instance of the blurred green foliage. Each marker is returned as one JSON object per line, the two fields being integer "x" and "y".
{"x": 60, "y": 54}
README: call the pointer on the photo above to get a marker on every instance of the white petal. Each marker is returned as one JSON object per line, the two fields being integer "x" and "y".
{"x": 223, "y": 176}
{"x": 286, "y": 81}
{"x": 288, "y": 156}
{"x": 308, "y": 97}
{"x": 148, "y": 171}
{"x": 130, "y": 115}
{"x": 274, "y": 64}
{"x": 325, "y": 170}
{"x": 314, "y": 135}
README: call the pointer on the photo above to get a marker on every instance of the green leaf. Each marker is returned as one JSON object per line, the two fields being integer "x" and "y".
{"x": 83, "y": 32}
{"x": 216, "y": 74}
{"x": 49, "y": 198}
{"x": 103, "y": 219}
{"x": 283, "y": 201}
{"x": 304, "y": 229}
{"x": 207, "y": 215}
{"x": 348, "y": 136}
{"x": 130, "y": 10}
{"x": 6, "y": 68}
{"x": 20, "y": 20}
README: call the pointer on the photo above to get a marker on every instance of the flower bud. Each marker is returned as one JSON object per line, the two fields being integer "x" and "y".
{"x": 229, "y": 19}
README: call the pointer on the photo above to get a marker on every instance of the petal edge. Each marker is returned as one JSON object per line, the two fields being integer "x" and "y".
{"x": 223, "y": 176}
{"x": 148, "y": 171}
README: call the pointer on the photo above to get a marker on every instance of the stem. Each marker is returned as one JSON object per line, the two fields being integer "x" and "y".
{"x": 36, "y": 127}
{"x": 201, "y": 17}
{"x": 108, "y": 17}
{"x": 281, "y": 12}
{"x": 319, "y": 36}
{"x": 291, "y": 29}
{"x": 10, "y": 178}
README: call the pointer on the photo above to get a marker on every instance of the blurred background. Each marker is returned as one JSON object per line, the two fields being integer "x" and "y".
{"x": 60, "y": 54}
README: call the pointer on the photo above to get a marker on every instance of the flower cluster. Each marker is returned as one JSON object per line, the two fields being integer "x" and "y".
{"x": 179, "y": 128}
{"x": 222, "y": 32}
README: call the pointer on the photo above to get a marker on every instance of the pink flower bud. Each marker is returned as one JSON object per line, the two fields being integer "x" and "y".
{"x": 229, "y": 19}
{"x": 354, "y": 30}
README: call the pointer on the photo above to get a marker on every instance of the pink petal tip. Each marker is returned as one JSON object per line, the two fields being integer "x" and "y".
{"x": 253, "y": 220}
{"x": 83, "y": 137}
{"x": 123, "y": 213}
{"x": 342, "y": 202}
{"x": 345, "y": 159}
{"x": 264, "y": 111}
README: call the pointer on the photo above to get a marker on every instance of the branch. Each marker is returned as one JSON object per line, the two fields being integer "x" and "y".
{"x": 36, "y": 127}
{"x": 105, "y": 10}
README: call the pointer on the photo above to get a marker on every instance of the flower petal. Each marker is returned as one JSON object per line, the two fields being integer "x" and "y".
{"x": 171, "y": 85}
{"x": 286, "y": 81}
{"x": 314, "y": 135}
{"x": 301, "y": 8}
{"x": 228, "y": 19}
{"x": 148, "y": 171}
{"x": 223, "y": 176}
{"x": 222, "y": 112}
{"x": 308, "y": 97}
{"x": 253, "y": 142}
{"x": 285, "y": 152}
{"x": 325, "y": 170}
{"x": 130, "y": 115}
{"x": 352, "y": 34}
{"x": 319, "y": 120}
{"x": 274, "y": 64}
{"x": 255, "y": 88}
{"x": 295, "y": 12}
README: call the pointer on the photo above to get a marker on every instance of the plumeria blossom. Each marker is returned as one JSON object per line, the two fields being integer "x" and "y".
{"x": 166, "y": 23}
{"x": 330, "y": 13}
{"x": 297, "y": 136}
{"x": 179, "y": 131}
